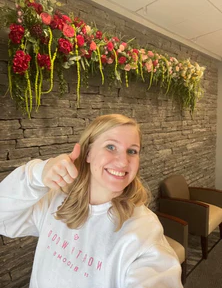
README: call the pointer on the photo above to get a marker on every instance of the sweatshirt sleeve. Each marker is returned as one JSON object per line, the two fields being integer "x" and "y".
{"x": 19, "y": 192}
{"x": 154, "y": 263}
{"x": 158, "y": 268}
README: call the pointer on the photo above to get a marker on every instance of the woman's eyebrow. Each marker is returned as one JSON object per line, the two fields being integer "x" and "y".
{"x": 114, "y": 140}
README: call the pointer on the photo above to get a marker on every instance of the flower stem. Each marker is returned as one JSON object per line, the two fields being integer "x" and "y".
{"x": 26, "y": 102}
{"x": 100, "y": 65}
{"x": 36, "y": 82}
{"x": 141, "y": 68}
{"x": 51, "y": 73}
{"x": 126, "y": 78}
{"x": 78, "y": 70}
{"x": 151, "y": 77}
{"x": 9, "y": 73}
{"x": 116, "y": 65}
{"x": 29, "y": 90}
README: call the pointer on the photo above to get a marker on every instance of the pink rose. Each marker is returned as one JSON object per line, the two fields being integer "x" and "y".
{"x": 68, "y": 31}
{"x": 127, "y": 67}
{"x": 122, "y": 46}
{"x": 93, "y": 46}
{"x": 109, "y": 60}
{"x": 144, "y": 57}
{"x": 150, "y": 54}
{"x": 148, "y": 66}
{"x": 155, "y": 62}
{"x": 46, "y": 18}
{"x": 66, "y": 18}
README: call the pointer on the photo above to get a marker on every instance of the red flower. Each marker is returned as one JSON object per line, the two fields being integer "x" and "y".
{"x": 79, "y": 23}
{"x": 103, "y": 59}
{"x": 83, "y": 30}
{"x": 57, "y": 23}
{"x": 66, "y": 19}
{"x": 93, "y": 46}
{"x": 44, "y": 40}
{"x": 16, "y": 33}
{"x": 44, "y": 61}
{"x": 122, "y": 60}
{"x": 46, "y": 18}
{"x": 99, "y": 35}
{"x": 64, "y": 46}
{"x": 155, "y": 62}
{"x": 21, "y": 62}
{"x": 88, "y": 56}
{"x": 115, "y": 39}
{"x": 110, "y": 46}
{"x": 80, "y": 40}
{"x": 38, "y": 7}
{"x": 136, "y": 51}
{"x": 68, "y": 31}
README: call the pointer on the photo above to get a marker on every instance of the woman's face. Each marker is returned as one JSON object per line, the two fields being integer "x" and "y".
{"x": 114, "y": 162}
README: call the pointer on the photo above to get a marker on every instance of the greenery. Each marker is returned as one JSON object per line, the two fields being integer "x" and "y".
{"x": 43, "y": 41}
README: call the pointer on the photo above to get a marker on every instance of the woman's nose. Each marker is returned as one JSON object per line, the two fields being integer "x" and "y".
{"x": 122, "y": 159}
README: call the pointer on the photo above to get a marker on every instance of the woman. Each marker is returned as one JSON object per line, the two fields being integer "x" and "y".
{"x": 87, "y": 209}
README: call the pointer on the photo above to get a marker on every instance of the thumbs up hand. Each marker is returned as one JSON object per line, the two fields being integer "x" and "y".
{"x": 61, "y": 170}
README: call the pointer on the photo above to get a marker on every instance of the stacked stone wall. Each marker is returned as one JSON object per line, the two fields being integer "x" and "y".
{"x": 173, "y": 141}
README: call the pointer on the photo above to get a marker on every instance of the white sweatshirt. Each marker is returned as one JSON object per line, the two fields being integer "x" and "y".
{"x": 94, "y": 256}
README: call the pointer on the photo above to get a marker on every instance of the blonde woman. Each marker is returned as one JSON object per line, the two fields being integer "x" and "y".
{"x": 89, "y": 211}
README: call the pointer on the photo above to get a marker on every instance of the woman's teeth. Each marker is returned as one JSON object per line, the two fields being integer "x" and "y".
{"x": 116, "y": 173}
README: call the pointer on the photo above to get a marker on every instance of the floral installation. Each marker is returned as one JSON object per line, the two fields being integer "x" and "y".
{"x": 44, "y": 41}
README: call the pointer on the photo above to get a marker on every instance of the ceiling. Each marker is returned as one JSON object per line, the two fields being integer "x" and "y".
{"x": 196, "y": 23}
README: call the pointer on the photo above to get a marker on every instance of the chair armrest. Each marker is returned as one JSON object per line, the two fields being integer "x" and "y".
{"x": 174, "y": 228}
{"x": 211, "y": 196}
{"x": 195, "y": 213}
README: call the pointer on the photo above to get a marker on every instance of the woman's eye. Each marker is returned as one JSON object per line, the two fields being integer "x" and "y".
{"x": 132, "y": 151}
{"x": 110, "y": 147}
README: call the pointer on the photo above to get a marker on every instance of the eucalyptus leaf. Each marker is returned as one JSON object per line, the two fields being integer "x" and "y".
{"x": 118, "y": 77}
{"x": 83, "y": 64}
{"x": 70, "y": 62}
{"x": 75, "y": 58}
{"x": 45, "y": 32}
{"x": 66, "y": 65}
{"x": 32, "y": 40}
{"x": 86, "y": 61}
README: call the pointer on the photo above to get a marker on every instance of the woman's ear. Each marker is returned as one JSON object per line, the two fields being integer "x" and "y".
{"x": 88, "y": 157}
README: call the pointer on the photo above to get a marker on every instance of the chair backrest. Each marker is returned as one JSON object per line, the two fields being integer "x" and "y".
{"x": 175, "y": 186}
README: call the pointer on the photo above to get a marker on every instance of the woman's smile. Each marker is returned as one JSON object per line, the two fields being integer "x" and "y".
{"x": 116, "y": 173}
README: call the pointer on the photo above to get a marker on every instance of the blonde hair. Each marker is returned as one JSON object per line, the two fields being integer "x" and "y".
{"x": 74, "y": 210}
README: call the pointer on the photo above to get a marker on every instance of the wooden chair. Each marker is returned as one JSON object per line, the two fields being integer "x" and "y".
{"x": 200, "y": 207}
{"x": 176, "y": 233}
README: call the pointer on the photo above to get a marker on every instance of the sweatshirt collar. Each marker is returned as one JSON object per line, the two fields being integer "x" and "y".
{"x": 99, "y": 209}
